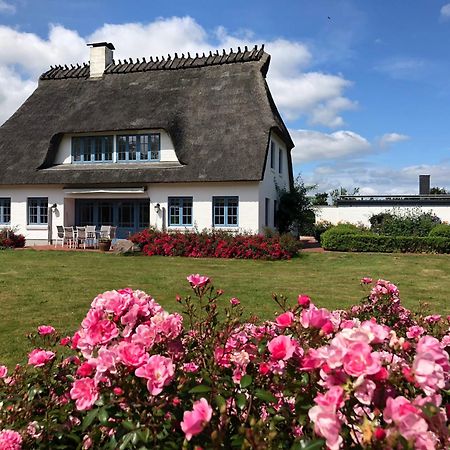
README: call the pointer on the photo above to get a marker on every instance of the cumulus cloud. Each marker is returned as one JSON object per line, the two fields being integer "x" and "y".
{"x": 299, "y": 92}
{"x": 392, "y": 138}
{"x": 6, "y": 7}
{"x": 315, "y": 146}
{"x": 445, "y": 11}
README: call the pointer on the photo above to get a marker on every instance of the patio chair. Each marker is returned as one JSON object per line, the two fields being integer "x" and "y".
{"x": 105, "y": 232}
{"x": 69, "y": 236}
{"x": 91, "y": 236}
{"x": 81, "y": 237}
{"x": 60, "y": 235}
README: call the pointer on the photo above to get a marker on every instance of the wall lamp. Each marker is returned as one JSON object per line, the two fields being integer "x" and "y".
{"x": 157, "y": 208}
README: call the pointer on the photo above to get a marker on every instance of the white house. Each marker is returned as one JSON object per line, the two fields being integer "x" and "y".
{"x": 182, "y": 142}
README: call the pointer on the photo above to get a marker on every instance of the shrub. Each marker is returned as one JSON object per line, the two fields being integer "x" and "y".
{"x": 10, "y": 239}
{"x": 215, "y": 244}
{"x": 442, "y": 229}
{"x": 320, "y": 228}
{"x": 369, "y": 242}
{"x": 413, "y": 222}
{"x": 135, "y": 376}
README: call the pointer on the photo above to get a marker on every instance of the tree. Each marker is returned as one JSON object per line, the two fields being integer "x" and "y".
{"x": 295, "y": 211}
{"x": 438, "y": 190}
{"x": 336, "y": 193}
{"x": 320, "y": 199}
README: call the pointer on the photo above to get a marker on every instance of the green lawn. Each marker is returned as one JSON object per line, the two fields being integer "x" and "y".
{"x": 38, "y": 287}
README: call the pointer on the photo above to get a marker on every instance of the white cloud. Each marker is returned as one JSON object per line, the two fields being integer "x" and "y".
{"x": 6, "y": 7}
{"x": 391, "y": 138}
{"x": 405, "y": 67}
{"x": 445, "y": 11}
{"x": 315, "y": 146}
{"x": 298, "y": 92}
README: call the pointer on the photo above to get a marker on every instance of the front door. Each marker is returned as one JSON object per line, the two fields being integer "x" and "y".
{"x": 128, "y": 215}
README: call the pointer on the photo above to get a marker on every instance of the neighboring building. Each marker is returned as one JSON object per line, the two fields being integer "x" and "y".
{"x": 184, "y": 142}
{"x": 358, "y": 209}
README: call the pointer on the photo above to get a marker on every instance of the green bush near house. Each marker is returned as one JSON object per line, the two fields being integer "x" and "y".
{"x": 442, "y": 229}
{"x": 369, "y": 242}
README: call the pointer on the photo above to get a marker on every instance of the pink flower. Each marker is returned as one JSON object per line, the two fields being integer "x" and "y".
{"x": 428, "y": 375}
{"x": 303, "y": 300}
{"x": 414, "y": 332}
{"x": 84, "y": 392}
{"x": 131, "y": 354}
{"x": 158, "y": 371}
{"x": 366, "y": 280}
{"x": 85, "y": 369}
{"x": 360, "y": 360}
{"x": 333, "y": 398}
{"x": 198, "y": 281}
{"x": 285, "y": 320}
{"x": 10, "y": 440}
{"x": 314, "y": 317}
{"x": 3, "y": 371}
{"x": 282, "y": 347}
{"x": 65, "y": 341}
{"x": 39, "y": 358}
{"x": 190, "y": 367}
{"x": 195, "y": 421}
{"x": 45, "y": 329}
{"x": 327, "y": 425}
{"x": 101, "y": 332}
{"x": 235, "y": 301}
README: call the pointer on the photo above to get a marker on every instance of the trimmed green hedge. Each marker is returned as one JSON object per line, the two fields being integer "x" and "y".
{"x": 368, "y": 242}
{"x": 443, "y": 230}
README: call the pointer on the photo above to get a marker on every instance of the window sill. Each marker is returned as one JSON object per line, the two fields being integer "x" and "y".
{"x": 37, "y": 227}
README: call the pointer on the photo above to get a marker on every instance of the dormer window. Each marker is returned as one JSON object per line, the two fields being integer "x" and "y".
{"x": 92, "y": 149}
{"x": 138, "y": 147}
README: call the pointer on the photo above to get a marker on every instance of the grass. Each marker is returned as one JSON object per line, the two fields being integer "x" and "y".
{"x": 56, "y": 288}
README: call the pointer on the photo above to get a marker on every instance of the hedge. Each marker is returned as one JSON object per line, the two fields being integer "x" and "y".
{"x": 443, "y": 230}
{"x": 367, "y": 242}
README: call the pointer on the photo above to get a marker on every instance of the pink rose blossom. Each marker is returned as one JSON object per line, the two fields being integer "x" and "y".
{"x": 303, "y": 301}
{"x": 198, "y": 281}
{"x": 366, "y": 280}
{"x": 84, "y": 392}
{"x": 45, "y": 329}
{"x": 314, "y": 317}
{"x": 190, "y": 367}
{"x": 414, "y": 332}
{"x": 158, "y": 371}
{"x": 3, "y": 371}
{"x": 235, "y": 301}
{"x": 360, "y": 360}
{"x": 285, "y": 320}
{"x": 195, "y": 421}
{"x": 131, "y": 354}
{"x": 327, "y": 425}
{"x": 10, "y": 440}
{"x": 282, "y": 347}
{"x": 39, "y": 358}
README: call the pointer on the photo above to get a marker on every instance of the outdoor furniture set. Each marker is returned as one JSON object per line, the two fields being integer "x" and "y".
{"x": 88, "y": 236}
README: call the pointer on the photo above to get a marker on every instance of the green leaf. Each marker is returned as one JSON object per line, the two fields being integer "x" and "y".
{"x": 246, "y": 381}
{"x": 128, "y": 425}
{"x": 126, "y": 440}
{"x": 265, "y": 396}
{"x": 313, "y": 445}
{"x": 241, "y": 401}
{"x": 200, "y": 389}
{"x": 90, "y": 416}
{"x": 220, "y": 401}
{"x": 103, "y": 416}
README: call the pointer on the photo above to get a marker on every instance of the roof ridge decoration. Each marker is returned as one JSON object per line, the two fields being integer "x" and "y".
{"x": 155, "y": 63}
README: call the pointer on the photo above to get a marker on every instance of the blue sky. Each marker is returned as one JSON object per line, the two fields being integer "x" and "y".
{"x": 364, "y": 86}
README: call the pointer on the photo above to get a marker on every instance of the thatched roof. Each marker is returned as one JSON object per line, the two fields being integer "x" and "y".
{"x": 217, "y": 109}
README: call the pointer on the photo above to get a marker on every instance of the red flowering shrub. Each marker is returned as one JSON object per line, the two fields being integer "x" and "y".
{"x": 9, "y": 239}
{"x": 138, "y": 377}
{"x": 215, "y": 244}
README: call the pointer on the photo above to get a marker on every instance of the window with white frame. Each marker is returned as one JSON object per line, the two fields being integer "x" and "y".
{"x": 138, "y": 147}
{"x": 92, "y": 149}
{"x": 37, "y": 211}
{"x": 5, "y": 211}
{"x": 225, "y": 211}
{"x": 180, "y": 211}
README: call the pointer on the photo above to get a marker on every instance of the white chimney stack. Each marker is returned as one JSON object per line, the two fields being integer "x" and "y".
{"x": 101, "y": 56}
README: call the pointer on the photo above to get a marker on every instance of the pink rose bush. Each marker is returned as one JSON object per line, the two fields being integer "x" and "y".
{"x": 375, "y": 376}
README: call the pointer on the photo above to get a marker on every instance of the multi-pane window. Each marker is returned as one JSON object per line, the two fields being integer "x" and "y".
{"x": 38, "y": 211}
{"x": 272, "y": 155}
{"x": 138, "y": 147}
{"x": 92, "y": 149}
{"x": 180, "y": 211}
{"x": 280, "y": 160}
{"x": 225, "y": 211}
{"x": 275, "y": 213}
{"x": 266, "y": 212}
{"x": 5, "y": 211}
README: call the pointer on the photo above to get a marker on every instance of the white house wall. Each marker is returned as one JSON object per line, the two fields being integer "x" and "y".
{"x": 202, "y": 193}
{"x": 362, "y": 214}
{"x": 64, "y": 154}
{"x": 273, "y": 181}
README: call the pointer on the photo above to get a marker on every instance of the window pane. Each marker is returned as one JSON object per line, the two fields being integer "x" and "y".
{"x": 174, "y": 211}
{"x": 155, "y": 146}
{"x": 87, "y": 214}
{"x": 122, "y": 148}
{"x": 143, "y": 147}
{"x": 232, "y": 215}
{"x": 219, "y": 211}
{"x": 272, "y": 155}
{"x": 126, "y": 215}
{"x": 144, "y": 215}
{"x": 76, "y": 149}
{"x": 132, "y": 147}
{"x": 105, "y": 213}
{"x": 38, "y": 211}
{"x": 96, "y": 143}
{"x": 107, "y": 147}
{"x": 5, "y": 210}
{"x": 187, "y": 211}
{"x": 280, "y": 160}
{"x": 87, "y": 149}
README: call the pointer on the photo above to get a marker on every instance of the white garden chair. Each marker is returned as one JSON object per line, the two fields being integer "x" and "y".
{"x": 81, "y": 237}
{"x": 91, "y": 236}
{"x": 69, "y": 236}
{"x": 60, "y": 235}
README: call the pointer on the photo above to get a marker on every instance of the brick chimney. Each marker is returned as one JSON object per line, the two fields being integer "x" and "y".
{"x": 424, "y": 184}
{"x": 100, "y": 57}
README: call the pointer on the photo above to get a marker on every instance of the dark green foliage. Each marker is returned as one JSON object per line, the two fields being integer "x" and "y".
{"x": 295, "y": 211}
{"x": 412, "y": 223}
{"x": 336, "y": 193}
{"x": 442, "y": 229}
{"x": 320, "y": 228}
{"x": 369, "y": 242}
{"x": 320, "y": 199}
{"x": 438, "y": 190}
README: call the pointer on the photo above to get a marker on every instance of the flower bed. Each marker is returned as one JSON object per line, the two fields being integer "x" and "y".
{"x": 135, "y": 376}
{"x": 215, "y": 244}
{"x": 9, "y": 239}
